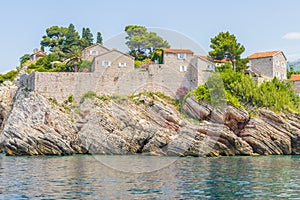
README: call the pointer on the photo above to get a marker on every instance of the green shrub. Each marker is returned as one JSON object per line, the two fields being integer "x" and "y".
{"x": 88, "y": 95}
{"x": 240, "y": 90}
{"x": 9, "y": 76}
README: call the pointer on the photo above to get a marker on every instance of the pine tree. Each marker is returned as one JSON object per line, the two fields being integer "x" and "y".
{"x": 72, "y": 38}
{"x": 89, "y": 36}
{"x": 99, "y": 38}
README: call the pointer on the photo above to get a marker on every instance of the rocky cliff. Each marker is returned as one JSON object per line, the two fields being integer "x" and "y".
{"x": 34, "y": 125}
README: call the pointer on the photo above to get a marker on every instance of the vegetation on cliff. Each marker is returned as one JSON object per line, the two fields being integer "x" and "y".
{"x": 240, "y": 90}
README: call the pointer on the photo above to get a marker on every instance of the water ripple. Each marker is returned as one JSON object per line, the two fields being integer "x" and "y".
{"x": 84, "y": 177}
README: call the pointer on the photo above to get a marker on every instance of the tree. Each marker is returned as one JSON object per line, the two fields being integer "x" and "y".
{"x": 54, "y": 37}
{"x": 24, "y": 58}
{"x": 225, "y": 45}
{"x": 291, "y": 70}
{"x": 99, "y": 38}
{"x": 72, "y": 38}
{"x": 74, "y": 54}
{"x": 143, "y": 43}
{"x": 87, "y": 38}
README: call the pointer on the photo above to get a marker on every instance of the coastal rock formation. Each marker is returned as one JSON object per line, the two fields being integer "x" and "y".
{"x": 34, "y": 127}
{"x": 7, "y": 94}
{"x": 149, "y": 125}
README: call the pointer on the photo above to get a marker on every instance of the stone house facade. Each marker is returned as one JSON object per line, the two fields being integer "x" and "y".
{"x": 114, "y": 61}
{"x": 203, "y": 68}
{"x": 178, "y": 58}
{"x": 269, "y": 64}
{"x": 91, "y": 52}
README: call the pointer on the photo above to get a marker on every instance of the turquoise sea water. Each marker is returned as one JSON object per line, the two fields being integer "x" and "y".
{"x": 111, "y": 177}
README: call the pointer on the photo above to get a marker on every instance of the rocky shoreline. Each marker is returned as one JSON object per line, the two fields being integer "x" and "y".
{"x": 34, "y": 125}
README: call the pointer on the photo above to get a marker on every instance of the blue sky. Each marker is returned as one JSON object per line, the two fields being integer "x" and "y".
{"x": 260, "y": 25}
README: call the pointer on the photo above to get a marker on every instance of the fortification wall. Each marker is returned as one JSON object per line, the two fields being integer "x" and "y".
{"x": 60, "y": 85}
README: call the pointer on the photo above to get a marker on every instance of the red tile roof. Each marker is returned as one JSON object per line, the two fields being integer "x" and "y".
{"x": 263, "y": 54}
{"x": 224, "y": 60}
{"x": 40, "y": 54}
{"x": 295, "y": 77}
{"x": 178, "y": 51}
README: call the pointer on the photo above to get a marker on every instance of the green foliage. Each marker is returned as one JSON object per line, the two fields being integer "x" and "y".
{"x": 156, "y": 96}
{"x": 85, "y": 66}
{"x": 99, "y": 38}
{"x": 74, "y": 55}
{"x": 291, "y": 71}
{"x": 9, "y": 76}
{"x": 70, "y": 99}
{"x": 158, "y": 56}
{"x": 87, "y": 38}
{"x": 225, "y": 45}
{"x": 202, "y": 93}
{"x": 24, "y": 59}
{"x": 72, "y": 39}
{"x": 240, "y": 90}
{"x": 49, "y": 63}
{"x": 142, "y": 43}
{"x": 140, "y": 63}
{"x": 54, "y": 37}
{"x": 88, "y": 95}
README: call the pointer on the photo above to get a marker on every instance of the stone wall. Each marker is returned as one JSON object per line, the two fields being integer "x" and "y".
{"x": 263, "y": 65}
{"x": 60, "y": 85}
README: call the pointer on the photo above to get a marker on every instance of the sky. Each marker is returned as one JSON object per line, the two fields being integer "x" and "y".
{"x": 259, "y": 25}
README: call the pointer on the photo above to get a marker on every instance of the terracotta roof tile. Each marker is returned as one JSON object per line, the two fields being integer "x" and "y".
{"x": 224, "y": 60}
{"x": 263, "y": 54}
{"x": 178, "y": 51}
{"x": 295, "y": 77}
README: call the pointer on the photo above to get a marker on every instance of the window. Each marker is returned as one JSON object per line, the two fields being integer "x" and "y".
{"x": 93, "y": 53}
{"x": 183, "y": 69}
{"x": 283, "y": 64}
{"x": 122, "y": 64}
{"x": 277, "y": 63}
{"x": 277, "y": 74}
{"x": 106, "y": 63}
{"x": 181, "y": 56}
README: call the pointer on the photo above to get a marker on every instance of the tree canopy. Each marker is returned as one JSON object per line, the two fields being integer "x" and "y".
{"x": 54, "y": 37}
{"x": 225, "y": 45}
{"x": 87, "y": 37}
{"x": 72, "y": 38}
{"x": 99, "y": 38}
{"x": 143, "y": 43}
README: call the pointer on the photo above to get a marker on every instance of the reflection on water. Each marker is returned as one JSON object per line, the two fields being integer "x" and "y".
{"x": 84, "y": 177}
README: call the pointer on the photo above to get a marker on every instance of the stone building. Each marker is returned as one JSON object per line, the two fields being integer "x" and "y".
{"x": 295, "y": 79}
{"x": 178, "y": 58}
{"x": 269, "y": 64}
{"x": 91, "y": 52}
{"x": 203, "y": 68}
{"x": 114, "y": 61}
{"x": 113, "y": 72}
{"x": 37, "y": 54}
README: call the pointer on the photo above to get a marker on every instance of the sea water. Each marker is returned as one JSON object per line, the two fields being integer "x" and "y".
{"x": 146, "y": 177}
